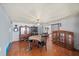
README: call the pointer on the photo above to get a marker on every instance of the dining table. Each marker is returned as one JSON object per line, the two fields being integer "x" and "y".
{"x": 33, "y": 38}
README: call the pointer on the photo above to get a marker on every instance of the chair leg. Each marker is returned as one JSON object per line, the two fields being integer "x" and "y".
{"x": 46, "y": 47}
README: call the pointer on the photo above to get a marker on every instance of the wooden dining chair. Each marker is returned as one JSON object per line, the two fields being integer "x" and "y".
{"x": 43, "y": 42}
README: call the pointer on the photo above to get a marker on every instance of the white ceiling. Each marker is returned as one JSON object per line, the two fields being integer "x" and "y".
{"x": 45, "y": 12}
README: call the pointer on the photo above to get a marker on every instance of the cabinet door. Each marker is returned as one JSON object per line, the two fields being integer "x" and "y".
{"x": 69, "y": 41}
{"x": 54, "y": 37}
{"x": 62, "y": 37}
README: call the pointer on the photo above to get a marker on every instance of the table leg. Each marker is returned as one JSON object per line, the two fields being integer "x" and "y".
{"x": 29, "y": 46}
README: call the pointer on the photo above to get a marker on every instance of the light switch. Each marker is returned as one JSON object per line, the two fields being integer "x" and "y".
{"x": 0, "y": 49}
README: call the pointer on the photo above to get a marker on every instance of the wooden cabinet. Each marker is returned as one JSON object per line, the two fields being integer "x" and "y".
{"x": 34, "y": 30}
{"x": 24, "y": 32}
{"x": 63, "y": 38}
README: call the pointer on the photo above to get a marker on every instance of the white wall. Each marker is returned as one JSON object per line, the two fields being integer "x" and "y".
{"x": 5, "y": 32}
{"x": 71, "y": 24}
{"x": 40, "y": 29}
